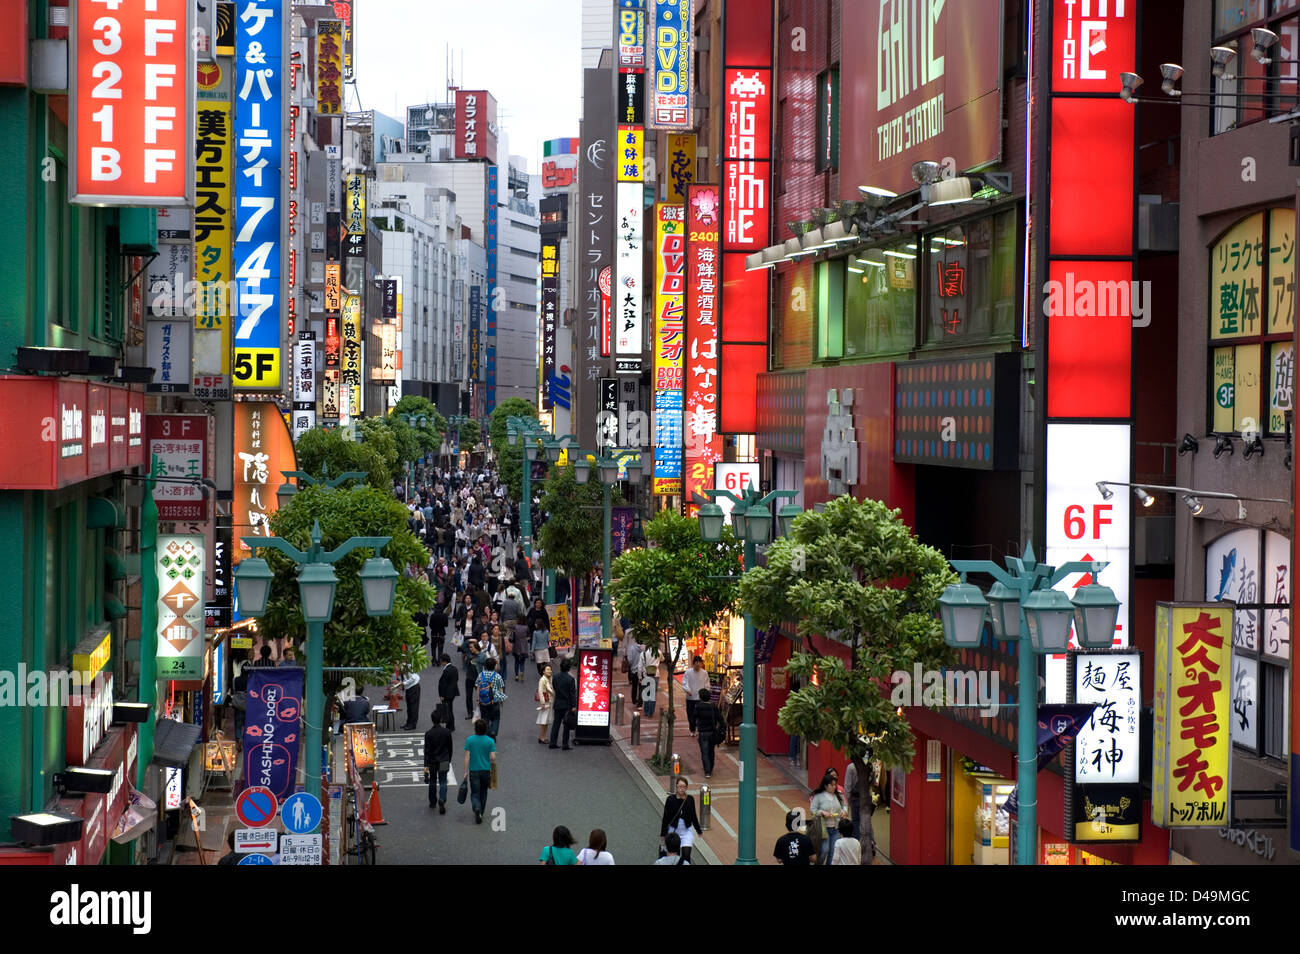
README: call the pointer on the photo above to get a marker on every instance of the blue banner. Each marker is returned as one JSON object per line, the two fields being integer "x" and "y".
{"x": 668, "y": 435}
{"x": 272, "y": 726}
{"x": 1058, "y": 724}
{"x": 258, "y": 248}
{"x": 620, "y": 524}
{"x": 493, "y": 179}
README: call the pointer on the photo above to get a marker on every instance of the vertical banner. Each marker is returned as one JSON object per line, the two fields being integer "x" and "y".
{"x": 304, "y": 384}
{"x": 680, "y": 165}
{"x": 329, "y": 67}
{"x": 180, "y": 606}
{"x": 701, "y": 437}
{"x": 475, "y": 304}
{"x": 746, "y": 208}
{"x": 131, "y": 76}
{"x": 1103, "y": 797}
{"x": 259, "y": 243}
{"x": 621, "y": 521}
{"x": 595, "y": 246}
{"x": 354, "y": 217}
{"x": 351, "y": 358}
{"x": 549, "y": 318}
{"x": 179, "y": 442}
{"x": 488, "y": 308}
{"x": 670, "y": 65}
{"x": 630, "y": 30}
{"x": 1192, "y": 751}
{"x": 216, "y": 300}
{"x": 263, "y": 448}
{"x": 271, "y": 726}
{"x": 628, "y": 237}
{"x": 217, "y": 611}
{"x": 669, "y": 341}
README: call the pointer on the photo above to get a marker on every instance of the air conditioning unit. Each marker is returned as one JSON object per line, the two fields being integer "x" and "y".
{"x": 1157, "y": 225}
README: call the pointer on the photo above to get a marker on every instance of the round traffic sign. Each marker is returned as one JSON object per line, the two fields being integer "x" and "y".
{"x": 301, "y": 813}
{"x": 256, "y": 860}
{"x": 256, "y": 806}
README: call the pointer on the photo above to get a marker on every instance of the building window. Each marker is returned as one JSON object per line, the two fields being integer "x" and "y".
{"x": 1250, "y": 91}
{"x": 880, "y": 301}
{"x": 972, "y": 281}
{"x": 1252, "y": 309}
{"x": 1252, "y": 568}
{"x": 829, "y": 278}
{"x": 828, "y": 120}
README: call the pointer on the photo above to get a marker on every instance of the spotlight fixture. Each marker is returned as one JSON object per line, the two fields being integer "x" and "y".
{"x": 812, "y": 241}
{"x": 873, "y": 256}
{"x": 1106, "y": 492}
{"x": 1144, "y": 498}
{"x": 877, "y": 191}
{"x": 1193, "y": 504}
{"x": 926, "y": 172}
{"x": 1263, "y": 40}
{"x": 1171, "y": 72}
{"x": 1220, "y": 57}
{"x": 1253, "y": 446}
{"x": 1190, "y": 445}
{"x": 1223, "y": 446}
{"x": 836, "y": 233}
{"x": 1128, "y": 84}
{"x": 84, "y": 781}
{"x": 947, "y": 191}
{"x": 793, "y": 249}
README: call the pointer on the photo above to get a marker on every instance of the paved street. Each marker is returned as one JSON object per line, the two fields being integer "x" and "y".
{"x": 585, "y": 788}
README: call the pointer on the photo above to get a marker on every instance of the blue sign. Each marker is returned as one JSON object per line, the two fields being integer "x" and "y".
{"x": 493, "y": 173}
{"x": 668, "y": 434}
{"x": 256, "y": 859}
{"x": 301, "y": 813}
{"x": 259, "y": 128}
{"x": 271, "y": 728}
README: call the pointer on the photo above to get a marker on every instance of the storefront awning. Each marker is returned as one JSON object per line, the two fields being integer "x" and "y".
{"x": 173, "y": 742}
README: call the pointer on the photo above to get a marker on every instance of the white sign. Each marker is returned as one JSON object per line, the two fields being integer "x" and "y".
{"x": 625, "y": 306}
{"x": 172, "y": 796}
{"x": 180, "y": 606}
{"x": 1081, "y": 526}
{"x": 255, "y": 839}
{"x": 300, "y": 849}
{"x": 734, "y": 478}
{"x": 1107, "y": 748}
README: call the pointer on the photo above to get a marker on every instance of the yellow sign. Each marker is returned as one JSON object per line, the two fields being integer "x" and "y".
{"x": 241, "y": 642}
{"x": 1223, "y": 390}
{"x": 680, "y": 164}
{"x": 561, "y": 627}
{"x": 1281, "y": 271}
{"x": 1247, "y": 388}
{"x": 333, "y": 287}
{"x": 670, "y": 290}
{"x": 350, "y": 359}
{"x": 329, "y": 67}
{"x": 1192, "y": 715}
{"x": 354, "y": 206}
{"x": 218, "y": 756}
{"x": 1281, "y": 385}
{"x": 212, "y": 209}
{"x": 1236, "y": 277}
{"x": 257, "y": 368}
{"x": 87, "y": 664}
{"x": 631, "y": 153}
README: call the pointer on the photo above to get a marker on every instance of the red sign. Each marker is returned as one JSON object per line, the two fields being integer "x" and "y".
{"x": 131, "y": 76}
{"x": 1091, "y": 45}
{"x": 55, "y": 432}
{"x": 555, "y": 176}
{"x": 13, "y": 43}
{"x": 606, "y": 284}
{"x": 746, "y": 143}
{"x": 263, "y": 448}
{"x": 594, "y": 680}
{"x": 476, "y": 125}
{"x": 1090, "y": 336}
{"x": 256, "y": 806}
{"x": 701, "y": 438}
{"x": 179, "y": 442}
{"x": 925, "y": 87}
{"x": 1092, "y": 177}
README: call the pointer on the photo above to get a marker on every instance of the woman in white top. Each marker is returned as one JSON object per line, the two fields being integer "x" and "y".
{"x": 828, "y": 805}
{"x": 595, "y": 853}
{"x": 545, "y": 704}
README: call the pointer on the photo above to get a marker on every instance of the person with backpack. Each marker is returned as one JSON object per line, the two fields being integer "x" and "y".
{"x": 560, "y": 850}
{"x": 491, "y": 693}
{"x": 712, "y": 730}
{"x": 448, "y": 690}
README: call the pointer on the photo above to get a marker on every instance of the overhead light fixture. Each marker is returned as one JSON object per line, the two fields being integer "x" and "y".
{"x": 45, "y": 828}
{"x": 1220, "y": 57}
{"x": 947, "y": 191}
{"x": 873, "y": 256}
{"x": 1193, "y": 504}
{"x": 811, "y": 241}
{"x": 1128, "y": 84}
{"x": 926, "y": 172}
{"x": 131, "y": 712}
{"x": 835, "y": 233}
{"x": 754, "y": 262}
{"x": 878, "y": 192}
{"x": 102, "y": 366}
{"x": 78, "y": 780}
{"x": 1106, "y": 492}
{"x": 1144, "y": 498}
{"x": 1223, "y": 446}
{"x": 1263, "y": 41}
{"x": 1190, "y": 445}
{"x": 794, "y": 250}
{"x": 52, "y": 360}
{"x": 855, "y": 270}
{"x": 1171, "y": 74}
{"x": 896, "y": 254}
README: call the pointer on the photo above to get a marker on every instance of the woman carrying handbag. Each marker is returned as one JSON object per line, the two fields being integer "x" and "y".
{"x": 545, "y": 705}
{"x": 680, "y": 819}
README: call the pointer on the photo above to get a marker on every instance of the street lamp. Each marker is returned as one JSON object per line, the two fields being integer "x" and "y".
{"x": 752, "y": 521}
{"x": 317, "y": 584}
{"x": 529, "y": 430}
{"x": 1022, "y": 602}
{"x": 607, "y": 473}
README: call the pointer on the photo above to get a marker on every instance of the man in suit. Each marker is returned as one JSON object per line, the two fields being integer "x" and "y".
{"x": 566, "y": 699}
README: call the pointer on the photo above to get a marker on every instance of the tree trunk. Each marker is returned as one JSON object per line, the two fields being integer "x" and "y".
{"x": 669, "y": 715}
{"x": 866, "y": 786}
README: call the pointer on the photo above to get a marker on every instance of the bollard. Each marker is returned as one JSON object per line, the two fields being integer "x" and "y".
{"x": 636, "y": 729}
{"x": 618, "y": 708}
{"x": 706, "y": 808}
{"x": 677, "y": 767}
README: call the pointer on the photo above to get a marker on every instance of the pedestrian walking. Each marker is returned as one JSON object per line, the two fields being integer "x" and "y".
{"x": 827, "y": 808}
{"x": 632, "y": 661}
{"x": 473, "y": 661}
{"x": 794, "y": 847}
{"x": 693, "y": 680}
{"x": 538, "y": 622}
{"x": 491, "y": 693}
{"x": 560, "y": 850}
{"x": 566, "y": 702}
{"x": 448, "y": 690}
{"x": 437, "y": 759}
{"x": 437, "y": 630}
{"x": 672, "y": 851}
{"x": 595, "y": 853}
{"x": 680, "y": 820}
{"x": 480, "y": 756}
{"x": 848, "y": 850}
{"x": 712, "y": 730}
{"x": 545, "y": 697}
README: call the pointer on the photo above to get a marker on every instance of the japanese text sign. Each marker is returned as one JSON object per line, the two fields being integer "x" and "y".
{"x": 670, "y": 66}
{"x": 180, "y": 606}
{"x": 701, "y": 438}
{"x": 179, "y": 443}
{"x": 329, "y": 67}
{"x": 628, "y": 232}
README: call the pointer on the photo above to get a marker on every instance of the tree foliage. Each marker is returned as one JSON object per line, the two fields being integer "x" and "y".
{"x": 509, "y": 458}
{"x": 571, "y": 539}
{"x": 330, "y": 445}
{"x": 351, "y": 637}
{"x": 418, "y": 407}
{"x": 855, "y": 574}
{"x": 674, "y": 589}
{"x": 470, "y": 434}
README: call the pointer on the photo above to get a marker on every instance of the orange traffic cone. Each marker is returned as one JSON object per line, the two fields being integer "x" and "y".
{"x": 375, "y": 811}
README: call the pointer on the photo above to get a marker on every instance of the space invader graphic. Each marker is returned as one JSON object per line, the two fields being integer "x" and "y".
{"x": 839, "y": 443}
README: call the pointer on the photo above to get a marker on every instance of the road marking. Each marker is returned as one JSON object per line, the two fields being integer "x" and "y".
{"x": 725, "y": 827}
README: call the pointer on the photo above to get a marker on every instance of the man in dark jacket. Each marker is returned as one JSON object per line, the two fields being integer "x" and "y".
{"x": 437, "y": 630}
{"x": 566, "y": 698}
{"x": 437, "y": 759}
{"x": 448, "y": 690}
{"x": 476, "y": 575}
